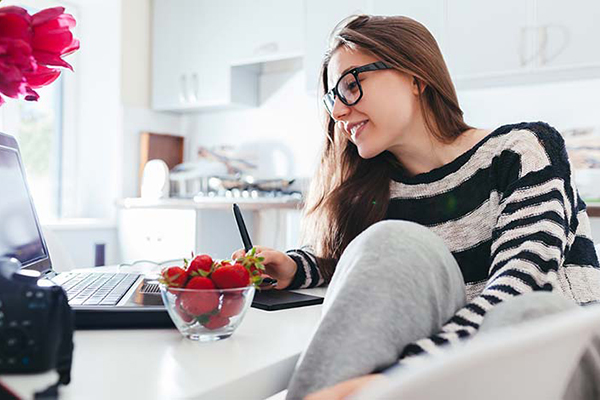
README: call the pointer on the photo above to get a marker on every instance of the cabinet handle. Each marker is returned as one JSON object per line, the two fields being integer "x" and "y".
{"x": 183, "y": 98}
{"x": 195, "y": 87}
{"x": 523, "y": 47}
{"x": 566, "y": 38}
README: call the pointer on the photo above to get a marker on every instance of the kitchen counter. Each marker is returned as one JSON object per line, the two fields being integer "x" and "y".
{"x": 170, "y": 228}
{"x": 215, "y": 203}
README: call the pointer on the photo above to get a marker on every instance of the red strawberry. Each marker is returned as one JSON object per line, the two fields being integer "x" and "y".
{"x": 233, "y": 276}
{"x": 201, "y": 265}
{"x": 216, "y": 322}
{"x": 199, "y": 302}
{"x": 200, "y": 282}
{"x": 184, "y": 315}
{"x": 174, "y": 277}
{"x": 232, "y": 305}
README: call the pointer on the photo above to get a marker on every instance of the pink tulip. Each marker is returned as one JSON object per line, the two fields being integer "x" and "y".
{"x": 28, "y": 44}
{"x": 15, "y": 23}
{"x": 15, "y": 52}
{"x": 52, "y": 37}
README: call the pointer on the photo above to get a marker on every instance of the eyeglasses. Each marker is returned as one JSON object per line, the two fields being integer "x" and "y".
{"x": 348, "y": 88}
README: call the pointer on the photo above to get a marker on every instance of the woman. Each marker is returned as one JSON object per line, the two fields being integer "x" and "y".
{"x": 428, "y": 223}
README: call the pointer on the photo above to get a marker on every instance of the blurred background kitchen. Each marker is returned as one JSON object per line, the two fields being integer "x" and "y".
{"x": 177, "y": 108}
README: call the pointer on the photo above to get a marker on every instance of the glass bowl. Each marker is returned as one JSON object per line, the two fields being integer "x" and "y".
{"x": 207, "y": 314}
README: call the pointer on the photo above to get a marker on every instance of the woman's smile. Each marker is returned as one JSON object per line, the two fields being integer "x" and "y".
{"x": 355, "y": 129}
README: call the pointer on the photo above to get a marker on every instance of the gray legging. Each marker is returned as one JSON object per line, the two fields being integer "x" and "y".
{"x": 395, "y": 283}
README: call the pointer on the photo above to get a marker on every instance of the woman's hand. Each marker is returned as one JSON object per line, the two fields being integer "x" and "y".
{"x": 344, "y": 389}
{"x": 278, "y": 265}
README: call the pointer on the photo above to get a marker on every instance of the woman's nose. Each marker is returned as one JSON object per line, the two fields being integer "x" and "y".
{"x": 339, "y": 110}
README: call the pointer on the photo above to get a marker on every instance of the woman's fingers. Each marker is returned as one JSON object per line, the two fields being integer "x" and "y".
{"x": 271, "y": 260}
{"x": 237, "y": 254}
{"x": 242, "y": 252}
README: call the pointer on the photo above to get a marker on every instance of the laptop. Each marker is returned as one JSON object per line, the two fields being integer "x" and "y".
{"x": 99, "y": 299}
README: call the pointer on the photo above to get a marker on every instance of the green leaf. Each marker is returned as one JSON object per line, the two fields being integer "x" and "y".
{"x": 204, "y": 273}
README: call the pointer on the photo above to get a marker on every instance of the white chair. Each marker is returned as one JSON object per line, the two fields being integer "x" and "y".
{"x": 529, "y": 361}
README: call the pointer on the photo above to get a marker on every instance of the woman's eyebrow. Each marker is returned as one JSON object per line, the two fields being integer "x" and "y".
{"x": 344, "y": 71}
{"x": 348, "y": 69}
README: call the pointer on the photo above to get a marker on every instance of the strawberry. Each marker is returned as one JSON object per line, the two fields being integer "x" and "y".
{"x": 174, "y": 277}
{"x": 231, "y": 276}
{"x": 201, "y": 266}
{"x": 216, "y": 322}
{"x": 199, "y": 302}
{"x": 184, "y": 315}
{"x": 200, "y": 282}
{"x": 232, "y": 305}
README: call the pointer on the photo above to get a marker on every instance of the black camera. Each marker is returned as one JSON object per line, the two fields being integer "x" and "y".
{"x": 36, "y": 323}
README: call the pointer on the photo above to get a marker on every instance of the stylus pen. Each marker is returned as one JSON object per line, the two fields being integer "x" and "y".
{"x": 242, "y": 227}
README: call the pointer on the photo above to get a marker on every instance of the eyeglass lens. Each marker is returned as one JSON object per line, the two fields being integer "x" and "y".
{"x": 348, "y": 90}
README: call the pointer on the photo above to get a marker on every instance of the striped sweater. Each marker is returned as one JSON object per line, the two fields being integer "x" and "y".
{"x": 509, "y": 212}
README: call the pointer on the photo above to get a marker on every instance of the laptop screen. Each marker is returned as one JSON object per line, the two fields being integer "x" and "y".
{"x": 20, "y": 233}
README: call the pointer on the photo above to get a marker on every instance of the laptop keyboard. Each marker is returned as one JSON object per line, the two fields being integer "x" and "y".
{"x": 92, "y": 289}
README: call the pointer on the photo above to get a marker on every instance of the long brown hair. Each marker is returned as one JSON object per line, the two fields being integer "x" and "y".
{"x": 349, "y": 193}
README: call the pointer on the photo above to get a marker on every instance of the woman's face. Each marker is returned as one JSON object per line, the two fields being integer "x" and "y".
{"x": 388, "y": 109}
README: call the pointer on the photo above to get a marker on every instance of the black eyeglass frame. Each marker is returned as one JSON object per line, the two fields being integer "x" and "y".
{"x": 330, "y": 96}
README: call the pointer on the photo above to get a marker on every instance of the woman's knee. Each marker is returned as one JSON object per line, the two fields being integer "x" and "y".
{"x": 404, "y": 246}
{"x": 525, "y": 307}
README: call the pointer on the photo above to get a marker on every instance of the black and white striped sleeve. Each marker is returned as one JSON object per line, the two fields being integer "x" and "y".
{"x": 308, "y": 274}
{"x": 535, "y": 226}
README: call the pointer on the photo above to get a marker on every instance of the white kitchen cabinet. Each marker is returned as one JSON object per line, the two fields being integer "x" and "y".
{"x": 172, "y": 228}
{"x": 568, "y": 33}
{"x": 161, "y": 234}
{"x": 170, "y": 56}
{"x": 521, "y": 42}
{"x": 487, "y": 37}
{"x": 484, "y": 43}
{"x": 156, "y": 234}
{"x": 265, "y": 28}
{"x": 196, "y": 43}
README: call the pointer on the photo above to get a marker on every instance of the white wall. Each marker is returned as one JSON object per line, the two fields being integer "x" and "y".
{"x": 564, "y": 105}
{"x": 137, "y": 116}
{"x": 99, "y": 125}
{"x": 287, "y": 114}
{"x": 113, "y": 71}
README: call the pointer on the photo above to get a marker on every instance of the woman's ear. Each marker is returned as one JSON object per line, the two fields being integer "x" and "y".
{"x": 418, "y": 86}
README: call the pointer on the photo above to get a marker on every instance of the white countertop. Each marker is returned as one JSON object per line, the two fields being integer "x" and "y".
{"x": 287, "y": 202}
{"x": 254, "y": 363}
